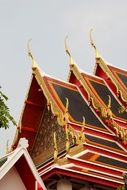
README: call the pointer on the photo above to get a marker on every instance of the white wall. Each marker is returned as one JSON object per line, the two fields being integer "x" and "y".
{"x": 12, "y": 181}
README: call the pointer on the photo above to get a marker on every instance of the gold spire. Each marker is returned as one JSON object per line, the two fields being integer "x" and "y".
{"x": 72, "y": 62}
{"x": 34, "y": 63}
{"x": 97, "y": 54}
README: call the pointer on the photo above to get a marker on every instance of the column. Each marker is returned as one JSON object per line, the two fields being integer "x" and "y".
{"x": 64, "y": 184}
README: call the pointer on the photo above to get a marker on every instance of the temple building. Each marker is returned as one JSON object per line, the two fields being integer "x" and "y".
{"x": 17, "y": 170}
{"x": 77, "y": 130}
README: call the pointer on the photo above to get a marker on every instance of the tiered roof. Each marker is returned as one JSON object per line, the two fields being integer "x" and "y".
{"x": 76, "y": 128}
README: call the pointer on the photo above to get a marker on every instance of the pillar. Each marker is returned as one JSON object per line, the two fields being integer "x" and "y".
{"x": 64, "y": 184}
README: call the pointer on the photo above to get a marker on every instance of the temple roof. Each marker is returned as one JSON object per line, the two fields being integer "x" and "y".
{"x": 21, "y": 160}
{"x": 75, "y": 128}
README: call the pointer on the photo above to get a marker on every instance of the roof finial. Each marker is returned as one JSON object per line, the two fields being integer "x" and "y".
{"x": 68, "y": 52}
{"x": 34, "y": 63}
{"x": 93, "y": 44}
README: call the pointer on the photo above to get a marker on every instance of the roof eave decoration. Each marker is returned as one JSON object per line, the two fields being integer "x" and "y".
{"x": 121, "y": 93}
{"x": 94, "y": 102}
{"x": 62, "y": 118}
{"x": 100, "y": 61}
{"x": 74, "y": 144}
{"x": 75, "y": 70}
{"x": 97, "y": 54}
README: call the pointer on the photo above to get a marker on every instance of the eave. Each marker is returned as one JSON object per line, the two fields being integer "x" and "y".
{"x": 109, "y": 75}
{"x": 83, "y": 176}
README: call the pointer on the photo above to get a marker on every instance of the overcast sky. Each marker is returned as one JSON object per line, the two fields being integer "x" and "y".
{"x": 47, "y": 22}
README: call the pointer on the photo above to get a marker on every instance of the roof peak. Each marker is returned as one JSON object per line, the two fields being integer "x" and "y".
{"x": 97, "y": 53}
{"x": 72, "y": 62}
{"x": 34, "y": 63}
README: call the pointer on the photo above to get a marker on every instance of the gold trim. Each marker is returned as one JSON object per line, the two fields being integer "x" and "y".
{"x": 67, "y": 140}
{"x": 120, "y": 132}
{"x": 75, "y": 70}
{"x": 122, "y": 109}
{"x": 50, "y": 102}
{"x": 92, "y": 101}
{"x": 34, "y": 63}
{"x": 120, "y": 94}
{"x": 102, "y": 64}
{"x": 106, "y": 112}
{"x": 80, "y": 135}
{"x": 76, "y": 149}
{"x": 97, "y": 54}
{"x": 64, "y": 117}
{"x": 120, "y": 91}
{"x": 105, "y": 68}
{"x": 55, "y": 148}
{"x": 72, "y": 62}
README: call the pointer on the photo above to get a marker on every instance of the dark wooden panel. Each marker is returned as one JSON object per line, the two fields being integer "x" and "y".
{"x": 77, "y": 106}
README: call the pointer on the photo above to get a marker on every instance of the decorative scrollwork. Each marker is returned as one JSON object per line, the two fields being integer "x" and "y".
{"x": 122, "y": 109}
{"x": 106, "y": 113}
{"x": 63, "y": 118}
{"x": 120, "y": 132}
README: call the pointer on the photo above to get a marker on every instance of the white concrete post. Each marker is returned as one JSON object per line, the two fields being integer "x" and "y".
{"x": 64, "y": 184}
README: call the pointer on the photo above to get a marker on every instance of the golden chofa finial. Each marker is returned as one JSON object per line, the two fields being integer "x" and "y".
{"x": 68, "y": 52}
{"x": 34, "y": 63}
{"x": 93, "y": 45}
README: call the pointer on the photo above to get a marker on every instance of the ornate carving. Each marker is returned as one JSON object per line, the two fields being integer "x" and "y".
{"x": 63, "y": 118}
{"x": 43, "y": 148}
{"x": 120, "y": 132}
{"x": 78, "y": 137}
{"x": 106, "y": 113}
{"x": 122, "y": 109}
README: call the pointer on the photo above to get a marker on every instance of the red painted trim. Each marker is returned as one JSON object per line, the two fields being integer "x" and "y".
{"x": 94, "y": 131}
{"x": 25, "y": 173}
{"x": 32, "y": 104}
{"x": 106, "y": 152}
{"x": 117, "y": 69}
{"x": 80, "y": 176}
{"x": 93, "y": 166}
{"x": 28, "y": 129}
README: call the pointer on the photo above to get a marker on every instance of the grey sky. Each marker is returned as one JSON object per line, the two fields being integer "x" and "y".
{"x": 47, "y": 22}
